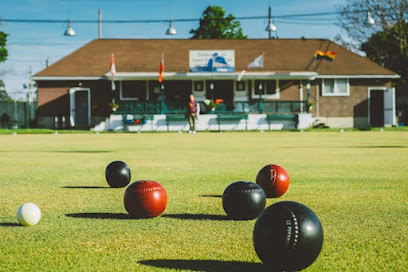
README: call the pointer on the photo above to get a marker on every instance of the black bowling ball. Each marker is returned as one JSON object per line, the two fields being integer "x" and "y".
{"x": 117, "y": 174}
{"x": 243, "y": 200}
{"x": 288, "y": 236}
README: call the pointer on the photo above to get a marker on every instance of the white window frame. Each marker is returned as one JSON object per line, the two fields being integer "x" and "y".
{"x": 130, "y": 98}
{"x": 199, "y": 95}
{"x": 241, "y": 95}
{"x": 276, "y": 95}
{"x": 194, "y": 85}
{"x": 246, "y": 82}
{"x": 335, "y": 93}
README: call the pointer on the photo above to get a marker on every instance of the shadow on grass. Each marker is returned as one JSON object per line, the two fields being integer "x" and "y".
{"x": 215, "y": 196}
{"x": 379, "y": 146}
{"x": 120, "y": 216}
{"x": 189, "y": 216}
{"x": 85, "y": 187}
{"x": 9, "y": 224}
{"x": 58, "y": 151}
{"x": 204, "y": 265}
{"x": 79, "y": 151}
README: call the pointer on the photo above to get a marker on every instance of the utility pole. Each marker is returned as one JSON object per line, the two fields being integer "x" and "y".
{"x": 270, "y": 20}
{"x": 100, "y": 24}
{"x": 31, "y": 95}
{"x": 30, "y": 86}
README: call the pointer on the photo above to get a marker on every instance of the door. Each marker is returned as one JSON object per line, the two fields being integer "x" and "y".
{"x": 80, "y": 111}
{"x": 389, "y": 107}
{"x": 377, "y": 108}
{"x": 81, "y": 108}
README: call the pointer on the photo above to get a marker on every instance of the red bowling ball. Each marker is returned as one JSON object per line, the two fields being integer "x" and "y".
{"x": 145, "y": 199}
{"x": 274, "y": 180}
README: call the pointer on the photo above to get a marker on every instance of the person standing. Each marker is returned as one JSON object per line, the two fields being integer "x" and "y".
{"x": 193, "y": 111}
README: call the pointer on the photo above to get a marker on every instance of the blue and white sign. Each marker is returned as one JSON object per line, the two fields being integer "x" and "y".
{"x": 212, "y": 60}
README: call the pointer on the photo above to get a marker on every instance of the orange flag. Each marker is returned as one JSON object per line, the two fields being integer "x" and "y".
{"x": 112, "y": 69}
{"x": 161, "y": 68}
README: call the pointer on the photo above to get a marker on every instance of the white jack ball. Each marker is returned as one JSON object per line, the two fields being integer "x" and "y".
{"x": 28, "y": 214}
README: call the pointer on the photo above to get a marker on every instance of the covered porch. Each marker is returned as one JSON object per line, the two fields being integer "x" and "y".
{"x": 258, "y": 101}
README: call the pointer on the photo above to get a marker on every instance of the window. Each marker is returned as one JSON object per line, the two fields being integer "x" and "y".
{"x": 198, "y": 86}
{"x": 240, "y": 86}
{"x": 155, "y": 90}
{"x": 335, "y": 87}
{"x": 132, "y": 90}
{"x": 266, "y": 88}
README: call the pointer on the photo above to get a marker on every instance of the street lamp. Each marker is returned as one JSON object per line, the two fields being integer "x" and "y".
{"x": 270, "y": 27}
{"x": 171, "y": 30}
{"x": 369, "y": 20}
{"x": 69, "y": 31}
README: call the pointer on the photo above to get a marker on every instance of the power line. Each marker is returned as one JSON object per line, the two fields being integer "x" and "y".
{"x": 132, "y": 21}
{"x": 22, "y": 60}
{"x": 46, "y": 42}
{"x": 302, "y": 23}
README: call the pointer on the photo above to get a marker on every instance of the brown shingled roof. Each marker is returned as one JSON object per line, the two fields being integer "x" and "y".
{"x": 281, "y": 55}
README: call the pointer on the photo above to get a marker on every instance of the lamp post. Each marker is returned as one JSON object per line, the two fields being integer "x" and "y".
{"x": 212, "y": 90}
{"x": 162, "y": 99}
{"x": 260, "y": 98}
{"x": 307, "y": 95}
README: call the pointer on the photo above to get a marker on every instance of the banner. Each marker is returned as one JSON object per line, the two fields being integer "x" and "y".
{"x": 212, "y": 61}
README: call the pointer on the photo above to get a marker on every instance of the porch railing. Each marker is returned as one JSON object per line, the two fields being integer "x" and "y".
{"x": 175, "y": 107}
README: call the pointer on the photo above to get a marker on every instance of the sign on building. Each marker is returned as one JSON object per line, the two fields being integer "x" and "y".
{"x": 212, "y": 60}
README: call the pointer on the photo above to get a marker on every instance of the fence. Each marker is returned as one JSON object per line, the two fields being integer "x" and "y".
{"x": 175, "y": 107}
{"x": 17, "y": 114}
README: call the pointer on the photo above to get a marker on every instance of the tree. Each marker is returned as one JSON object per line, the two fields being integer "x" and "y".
{"x": 385, "y": 42}
{"x": 3, "y": 56}
{"x": 389, "y": 16}
{"x": 3, "y": 49}
{"x": 385, "y": 49}
{"x": 214, "y": 24}
{"x": 4, "y": 97}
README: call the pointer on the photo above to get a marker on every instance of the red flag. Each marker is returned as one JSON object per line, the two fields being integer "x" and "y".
{"x": 161, "y": 68}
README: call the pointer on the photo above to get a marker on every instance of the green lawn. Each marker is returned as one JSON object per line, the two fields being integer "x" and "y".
{"x": 356, "y": 183}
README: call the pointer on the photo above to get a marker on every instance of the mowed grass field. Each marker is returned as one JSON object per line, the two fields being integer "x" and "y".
{"x": 356, "y": 183}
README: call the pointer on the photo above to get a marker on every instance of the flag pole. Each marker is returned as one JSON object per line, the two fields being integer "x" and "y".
{"x": 162, "y": 86}
{"x": 260, "y": 88}
{"x": 113, "y": 72}
{"x": 260, "y": 91}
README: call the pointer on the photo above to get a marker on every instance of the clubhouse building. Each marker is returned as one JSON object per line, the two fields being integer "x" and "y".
{"x": 291, "y": 89}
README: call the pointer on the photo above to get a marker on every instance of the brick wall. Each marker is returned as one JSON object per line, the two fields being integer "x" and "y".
{"x": 53, "y": 101}
{"x": 354, "y": 105}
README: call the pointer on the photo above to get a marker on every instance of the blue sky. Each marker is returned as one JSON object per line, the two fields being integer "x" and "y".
{"x": 31, "y": 44}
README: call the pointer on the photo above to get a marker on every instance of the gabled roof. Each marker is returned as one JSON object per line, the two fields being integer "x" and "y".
{"x": 143, "y": 55}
